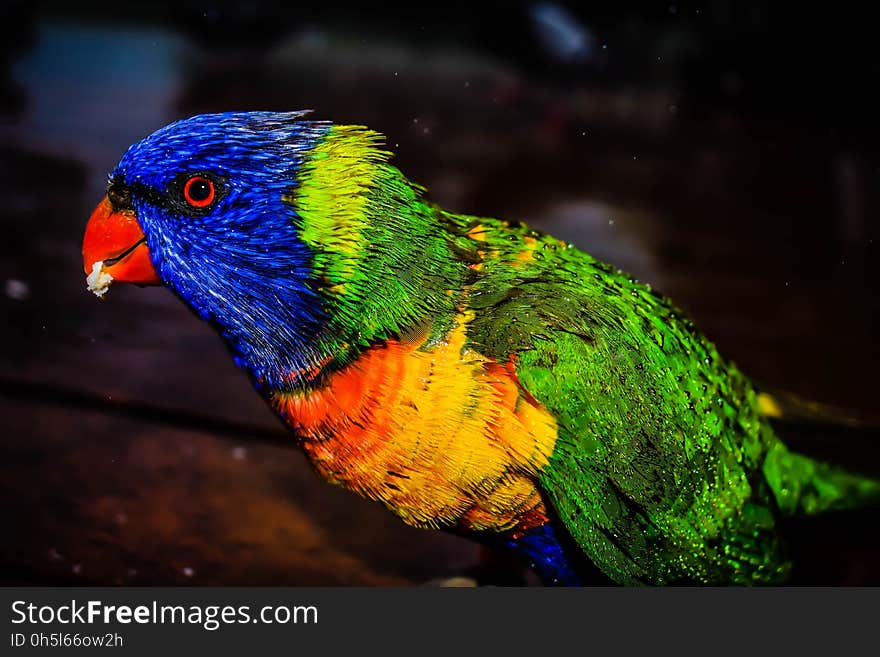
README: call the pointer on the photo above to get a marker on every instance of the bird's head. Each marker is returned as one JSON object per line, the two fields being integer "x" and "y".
{"x": 272, "y": 228}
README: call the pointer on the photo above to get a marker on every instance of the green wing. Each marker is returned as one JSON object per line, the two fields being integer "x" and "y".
{"x": 656, "y": 472}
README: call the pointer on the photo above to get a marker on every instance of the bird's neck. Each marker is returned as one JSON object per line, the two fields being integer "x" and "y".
{"x": 383, "y": 264}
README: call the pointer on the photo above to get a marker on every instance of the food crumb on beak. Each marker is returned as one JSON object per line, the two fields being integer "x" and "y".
{"x": 99, "y": 280}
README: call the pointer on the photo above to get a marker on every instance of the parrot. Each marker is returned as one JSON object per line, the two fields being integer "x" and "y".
{"x": 471, "y": 374}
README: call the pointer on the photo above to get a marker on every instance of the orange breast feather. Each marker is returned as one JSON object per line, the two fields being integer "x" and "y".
{"x": 441, "y": 435}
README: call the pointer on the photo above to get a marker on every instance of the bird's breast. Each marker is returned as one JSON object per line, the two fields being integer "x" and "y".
{"x": 441, "y": 435}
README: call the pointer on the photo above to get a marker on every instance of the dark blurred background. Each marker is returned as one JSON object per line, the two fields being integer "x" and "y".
{"x": 725, "y": 151}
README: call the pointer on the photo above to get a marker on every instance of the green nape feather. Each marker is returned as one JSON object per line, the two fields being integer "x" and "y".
{"x": 383, "y": 261}
{"x": 664, "y": 470}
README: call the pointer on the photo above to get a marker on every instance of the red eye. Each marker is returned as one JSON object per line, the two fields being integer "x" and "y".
{"x": 199, "y": 192}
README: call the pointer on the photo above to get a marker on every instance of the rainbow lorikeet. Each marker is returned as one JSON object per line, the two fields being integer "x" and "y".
{"x": 470, "y": 374}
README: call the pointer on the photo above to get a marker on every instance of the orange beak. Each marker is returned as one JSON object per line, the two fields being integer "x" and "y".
{"x": 116, "y": 239}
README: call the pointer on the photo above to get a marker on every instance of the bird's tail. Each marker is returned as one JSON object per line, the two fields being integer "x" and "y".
{"x": 808, "y": 485}
{"x": 805, "y": 486}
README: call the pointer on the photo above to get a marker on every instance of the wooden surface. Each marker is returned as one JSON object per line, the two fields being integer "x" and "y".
{"x": 135, "y": 452}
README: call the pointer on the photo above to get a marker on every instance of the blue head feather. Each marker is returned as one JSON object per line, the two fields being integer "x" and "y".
{"x": 240, "y": 263}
